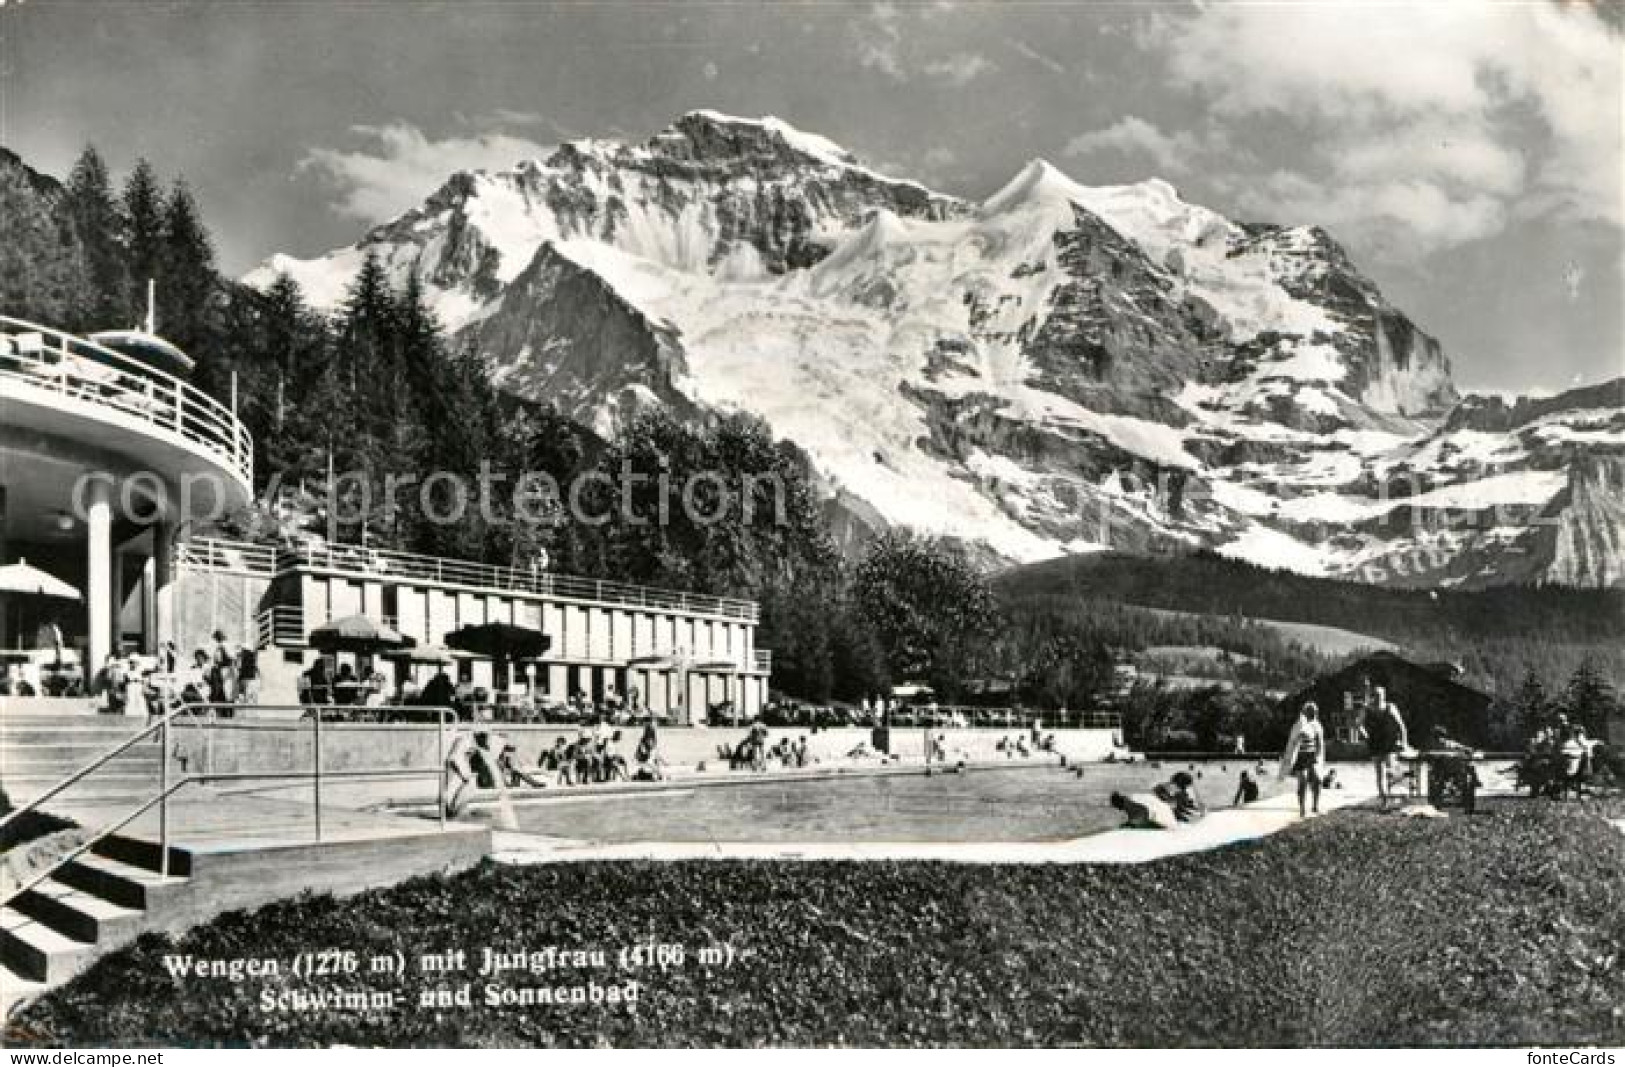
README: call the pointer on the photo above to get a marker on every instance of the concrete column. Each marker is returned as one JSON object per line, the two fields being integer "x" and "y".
{"x": 115, "y": 578}
{"x": 149, "y": 606}
{"x": 164, "y": 546}
{"x": 558, "y": 683}
{"x": 99, "y": 598}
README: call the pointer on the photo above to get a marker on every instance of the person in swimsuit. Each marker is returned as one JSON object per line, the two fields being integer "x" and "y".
{"x": 1305, "y": 757}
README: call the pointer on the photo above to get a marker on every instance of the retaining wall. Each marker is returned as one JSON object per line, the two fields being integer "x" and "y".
{"x": 270, "y": 746}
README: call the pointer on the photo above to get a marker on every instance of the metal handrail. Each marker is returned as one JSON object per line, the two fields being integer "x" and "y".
{"x": 96, "y": 764}
{"x": 101, "y": 835}
{"x": 166, "y": 788}
{"x": 83, "y": 369}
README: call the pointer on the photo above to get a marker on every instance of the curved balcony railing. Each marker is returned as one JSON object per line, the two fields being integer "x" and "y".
{"x": 77, "y": 369}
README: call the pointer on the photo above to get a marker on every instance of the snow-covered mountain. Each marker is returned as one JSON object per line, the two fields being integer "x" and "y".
{"x": 1056, "y": 369}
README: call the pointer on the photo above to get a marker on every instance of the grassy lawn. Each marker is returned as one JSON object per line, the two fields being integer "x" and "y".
{"x": 1356, "y": 929}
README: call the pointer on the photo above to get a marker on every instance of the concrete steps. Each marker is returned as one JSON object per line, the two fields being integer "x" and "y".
{"x": 93, "y": 905}
{"x": 37, "y": 752}
{"x": 99, "y": 901}
{"x": 227, "y": 851}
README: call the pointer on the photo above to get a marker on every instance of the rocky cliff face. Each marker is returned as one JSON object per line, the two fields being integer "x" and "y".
{"x": 1059, "y": 368}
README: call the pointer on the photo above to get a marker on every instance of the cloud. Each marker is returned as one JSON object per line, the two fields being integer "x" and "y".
{"x": 877, "y": 39}
{"x": 710, "y": 72}
{"x": 1431, "y": 125}
{"x": 959, "y": 69}
{"x": 1027, "y": 51}
{"x": 1131, "y": 135}
{"x": 398, "y": 165}
{"x": 892, "y": 40}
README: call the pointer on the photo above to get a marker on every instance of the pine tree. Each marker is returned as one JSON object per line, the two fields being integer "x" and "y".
{"x": 186, "y": 275}
{"x": 88, "y": 200}
{"x": 366, "y": 330}
{"x": 141, "y": 224}
{"x": 1588, "y": 699}
{"x": 1531, "y": 705}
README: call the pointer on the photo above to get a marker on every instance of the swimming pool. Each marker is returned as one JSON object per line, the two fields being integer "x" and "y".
{"x": 985, "y": 804}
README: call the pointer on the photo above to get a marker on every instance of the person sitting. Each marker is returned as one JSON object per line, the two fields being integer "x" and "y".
{"x": 346, "y": 687}
{"x": 559, "y": 761}
{"x": 1576, "y": 756}
{"x": 609, "y": 764}
{"x": 1246, "y": 790}
{"x": 648, "y": 766}
{"x": 439, "y": 692}
{"x": 14, "y": 684}
{"x": 1144, "y": 811}
{"x": 1179, "y": 793}
{"x": 110, "y": 685}
{"x": 483, "y": 761}
{"x": 508, "y": 765}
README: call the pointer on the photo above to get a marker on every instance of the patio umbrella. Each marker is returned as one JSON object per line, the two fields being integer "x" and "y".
{"x": 356, "y": 633}
{"x": 20, "y": 578}
{"x": 500, "y": 640}
{"x": 439, "y": 655}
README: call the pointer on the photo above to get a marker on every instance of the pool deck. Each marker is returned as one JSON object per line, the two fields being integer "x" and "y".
{"x": 1218, "y": 829}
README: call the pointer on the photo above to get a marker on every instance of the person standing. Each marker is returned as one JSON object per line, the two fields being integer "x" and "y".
{"x": 248, "y": 675}
{"x": 1384, "y": 730}
{"x": 110, "y": 684}
{"x": 1305, "y": 757}
{"x": 222, "y": 685}
{"x": 458, "y": 773}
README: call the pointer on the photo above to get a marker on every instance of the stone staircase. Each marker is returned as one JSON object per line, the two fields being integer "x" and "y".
{"x": 227, "y": 849}
{"x": 100, "y": 900}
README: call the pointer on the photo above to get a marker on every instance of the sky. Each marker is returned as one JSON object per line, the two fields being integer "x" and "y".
{"x": 1467, "y": 154}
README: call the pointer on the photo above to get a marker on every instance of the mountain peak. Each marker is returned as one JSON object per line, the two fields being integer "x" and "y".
{"x": 1040, "y": 182}
{"x": 712, "y": 133}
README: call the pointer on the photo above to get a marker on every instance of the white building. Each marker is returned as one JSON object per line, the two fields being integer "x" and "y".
{"x": 681, "y": 652}
{"x": 108, "y": 458}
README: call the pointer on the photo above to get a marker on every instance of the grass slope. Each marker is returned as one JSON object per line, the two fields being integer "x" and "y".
{"x": 1327, "y": 640}
{"x": 1357, "y": 929}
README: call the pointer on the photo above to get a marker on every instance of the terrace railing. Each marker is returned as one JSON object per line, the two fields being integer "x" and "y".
{"x": 380, "y": 564}
{"x": 360, "y": 561}
{"x": 78, "y": 369}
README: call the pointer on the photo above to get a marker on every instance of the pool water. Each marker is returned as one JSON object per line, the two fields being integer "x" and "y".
{"x": 1015, "y": 804}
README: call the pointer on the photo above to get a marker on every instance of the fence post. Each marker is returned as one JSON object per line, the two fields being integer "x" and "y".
{"x": 316, "y": 757}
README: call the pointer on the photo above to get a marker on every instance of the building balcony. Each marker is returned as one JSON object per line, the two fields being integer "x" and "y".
{"x": 85, "y": 406}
